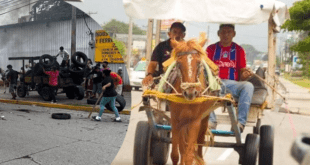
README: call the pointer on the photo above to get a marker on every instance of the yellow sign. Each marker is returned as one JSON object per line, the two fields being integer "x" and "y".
{"x": 105, "y": 49}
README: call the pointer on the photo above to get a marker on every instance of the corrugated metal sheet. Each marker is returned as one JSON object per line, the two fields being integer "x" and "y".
{"x": 36, "y": 39}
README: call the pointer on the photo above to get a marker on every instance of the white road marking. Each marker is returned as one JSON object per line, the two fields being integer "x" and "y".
{"x": 225, "y": 154}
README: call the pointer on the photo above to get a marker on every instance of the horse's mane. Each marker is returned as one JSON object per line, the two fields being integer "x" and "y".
{"x": 185, "y": 46}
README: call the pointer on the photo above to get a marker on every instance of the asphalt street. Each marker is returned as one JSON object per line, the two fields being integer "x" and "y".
{"x": 29, "y": 136}
{"x": 286, "y": 126}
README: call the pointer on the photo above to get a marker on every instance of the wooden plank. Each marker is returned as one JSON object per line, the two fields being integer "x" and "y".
{"x": 271, "y": 61}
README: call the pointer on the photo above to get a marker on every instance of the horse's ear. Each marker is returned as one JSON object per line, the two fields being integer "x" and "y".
{"x": 202, "y": 39}
{"x": 174, "y": 43}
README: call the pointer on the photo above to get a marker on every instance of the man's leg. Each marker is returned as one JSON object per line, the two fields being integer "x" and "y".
{"x": 112, "y": 105}
{"x": 12, "y": 90}
{"x": 243, "y": 91}
{"x": 103, "y": 102}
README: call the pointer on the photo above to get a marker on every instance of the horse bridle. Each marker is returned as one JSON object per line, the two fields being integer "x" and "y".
{"x": 185, "y": 85}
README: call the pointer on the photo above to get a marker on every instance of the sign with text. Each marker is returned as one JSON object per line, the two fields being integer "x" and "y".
{"x": 105, "y": 49}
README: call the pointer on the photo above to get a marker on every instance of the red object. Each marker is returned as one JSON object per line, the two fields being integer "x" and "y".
{"x": 53, "y": 77}
{"x": 229, "y": 59}
{"x": 116, "y": 78}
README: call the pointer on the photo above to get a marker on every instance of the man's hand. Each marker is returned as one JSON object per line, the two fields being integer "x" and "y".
{"x": 245, "y": 74}
{"x": 103, "y": 88}
{"x": 148, "y": 80}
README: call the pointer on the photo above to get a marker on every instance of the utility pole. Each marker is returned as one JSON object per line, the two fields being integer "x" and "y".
{"x": 129, "y": 45}
{"x": 149, "y": 40}
{"x": 73, "y": 31}
{"x": 157, "y": 36}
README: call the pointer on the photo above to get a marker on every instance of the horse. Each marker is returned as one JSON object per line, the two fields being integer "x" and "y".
{"x": 188, "y": 122}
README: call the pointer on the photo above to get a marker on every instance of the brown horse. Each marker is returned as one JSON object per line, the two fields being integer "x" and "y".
{"x": 188, "y": 125}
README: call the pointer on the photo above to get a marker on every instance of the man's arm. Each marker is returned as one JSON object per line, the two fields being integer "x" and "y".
{"x": 244, "y": 73}
{"x": 151, "y": 68}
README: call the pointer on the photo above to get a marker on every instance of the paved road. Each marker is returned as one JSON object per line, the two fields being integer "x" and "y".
{"x": 29, "y": 136}
{"x": 286, "y": 127}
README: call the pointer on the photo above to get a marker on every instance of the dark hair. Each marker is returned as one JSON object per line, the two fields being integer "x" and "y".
{"x": 227, "y": 25}
{"x": 106, "y": 72}
{"x": 96, "y": 67}
{"x": 178, "y": 25}
{"x": 9, "y": 67}
{"x": 61, "y": 48}
{"x": 106, "y": 62}
{"x": 54, "y": 68}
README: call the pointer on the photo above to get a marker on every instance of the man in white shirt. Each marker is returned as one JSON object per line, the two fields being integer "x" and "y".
{"x": 64, "y": 55}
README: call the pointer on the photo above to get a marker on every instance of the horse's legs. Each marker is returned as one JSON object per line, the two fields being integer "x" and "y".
{"x": 175, "y": 142}
{"x": 191, "y": 141}
{"x": 201, "y": 135}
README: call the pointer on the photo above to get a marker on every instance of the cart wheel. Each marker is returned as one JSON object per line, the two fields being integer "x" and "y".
{"x": 256, "y": 129}
{"x": 21, "y": 92}
{"x": 266, "y": 145}
{"x": 160, "y": 150}
{"x": 142, "y": 145}
{"x": 45, "y": 94}
{"x": 251, "y": 149}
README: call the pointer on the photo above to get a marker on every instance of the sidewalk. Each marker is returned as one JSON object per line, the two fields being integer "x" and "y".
{"x": 62, "y": 101}
{"x": 298, "y": 98}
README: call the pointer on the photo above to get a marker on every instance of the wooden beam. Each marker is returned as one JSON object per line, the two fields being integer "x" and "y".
{"x": 149, "y": 40}
{"x": 271, "y": 61}
{"x": 157, "y": 35}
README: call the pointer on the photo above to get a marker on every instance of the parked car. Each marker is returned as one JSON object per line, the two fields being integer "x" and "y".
{"x": 137, "y": 74}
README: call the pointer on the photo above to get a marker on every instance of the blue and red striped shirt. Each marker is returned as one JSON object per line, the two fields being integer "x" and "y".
{"x": 229, "y": 59}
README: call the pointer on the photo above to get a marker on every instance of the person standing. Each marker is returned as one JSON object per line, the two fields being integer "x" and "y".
{"x": 105, "y": 66}
{"x": 108, "y": 97}
{"x": 12, "y": 78}
{"x": 53, "y": 82}
{"x": 231, "y": 60}
{"x": 87, "y": 71}
{"x": 64, "y": 55}
{"x": 97, "y": 80}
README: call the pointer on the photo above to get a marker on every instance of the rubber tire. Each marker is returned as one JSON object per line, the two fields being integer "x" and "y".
{"x": 21, "y": 92}
{"x": 73, "y": 70}
{"x": 51, "y": 58}
{"x": 142, "y": 144}
{"x": 62, "y": 116}
{"x": 70, "y": 92}
{"x": 256, "y": 129}
{"x": 160, "y": 150}
{"x": 45, "y": 93}
{"x": 120, "y": 100}
{"x": 266, "y": 145}
{"x": 79, "y": 93}
{"x": 251, "y": 149}
{"x": 78, "y": 63}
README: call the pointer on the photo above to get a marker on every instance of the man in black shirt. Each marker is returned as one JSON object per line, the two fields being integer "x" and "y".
{"x": 97, "y": 80}
{"x": 162, "y": 52}
{"x": 108, "y": 96}
{"x": 12, "y": 78}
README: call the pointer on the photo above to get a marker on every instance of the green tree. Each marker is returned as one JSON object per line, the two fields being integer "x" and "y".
{"x": 115, "y": 26}
{"x": 121, "y": 47}
{"x": 251, "y": 52}
{"x": 300, "y": 22}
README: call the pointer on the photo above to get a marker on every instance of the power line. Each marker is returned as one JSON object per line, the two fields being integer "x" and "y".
{"x": 15, "y": 5}
{"x": 18, "y": 8}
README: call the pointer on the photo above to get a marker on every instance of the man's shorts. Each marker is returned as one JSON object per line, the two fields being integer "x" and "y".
{"x": 12, "y": 88}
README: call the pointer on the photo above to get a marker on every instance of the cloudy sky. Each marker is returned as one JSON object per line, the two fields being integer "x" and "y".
{"x": 106, "y": 10}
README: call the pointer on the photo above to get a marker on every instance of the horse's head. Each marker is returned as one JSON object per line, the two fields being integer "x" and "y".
{"x": 189, "y": 67}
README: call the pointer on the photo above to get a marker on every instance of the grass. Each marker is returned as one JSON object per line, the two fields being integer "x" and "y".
{"x": 301, "y": 81}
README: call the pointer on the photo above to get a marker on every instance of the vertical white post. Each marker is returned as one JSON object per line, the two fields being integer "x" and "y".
{"x": 149, "y": 40}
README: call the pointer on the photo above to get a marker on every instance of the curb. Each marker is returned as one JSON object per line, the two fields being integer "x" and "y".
{"x": 61, "y": 106}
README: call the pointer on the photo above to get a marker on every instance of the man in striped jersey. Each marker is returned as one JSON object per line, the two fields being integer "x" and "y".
{"x": 231, "y": 59}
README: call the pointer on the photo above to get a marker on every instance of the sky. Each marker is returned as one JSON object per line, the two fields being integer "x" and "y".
{"x": 106, "y": 10}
